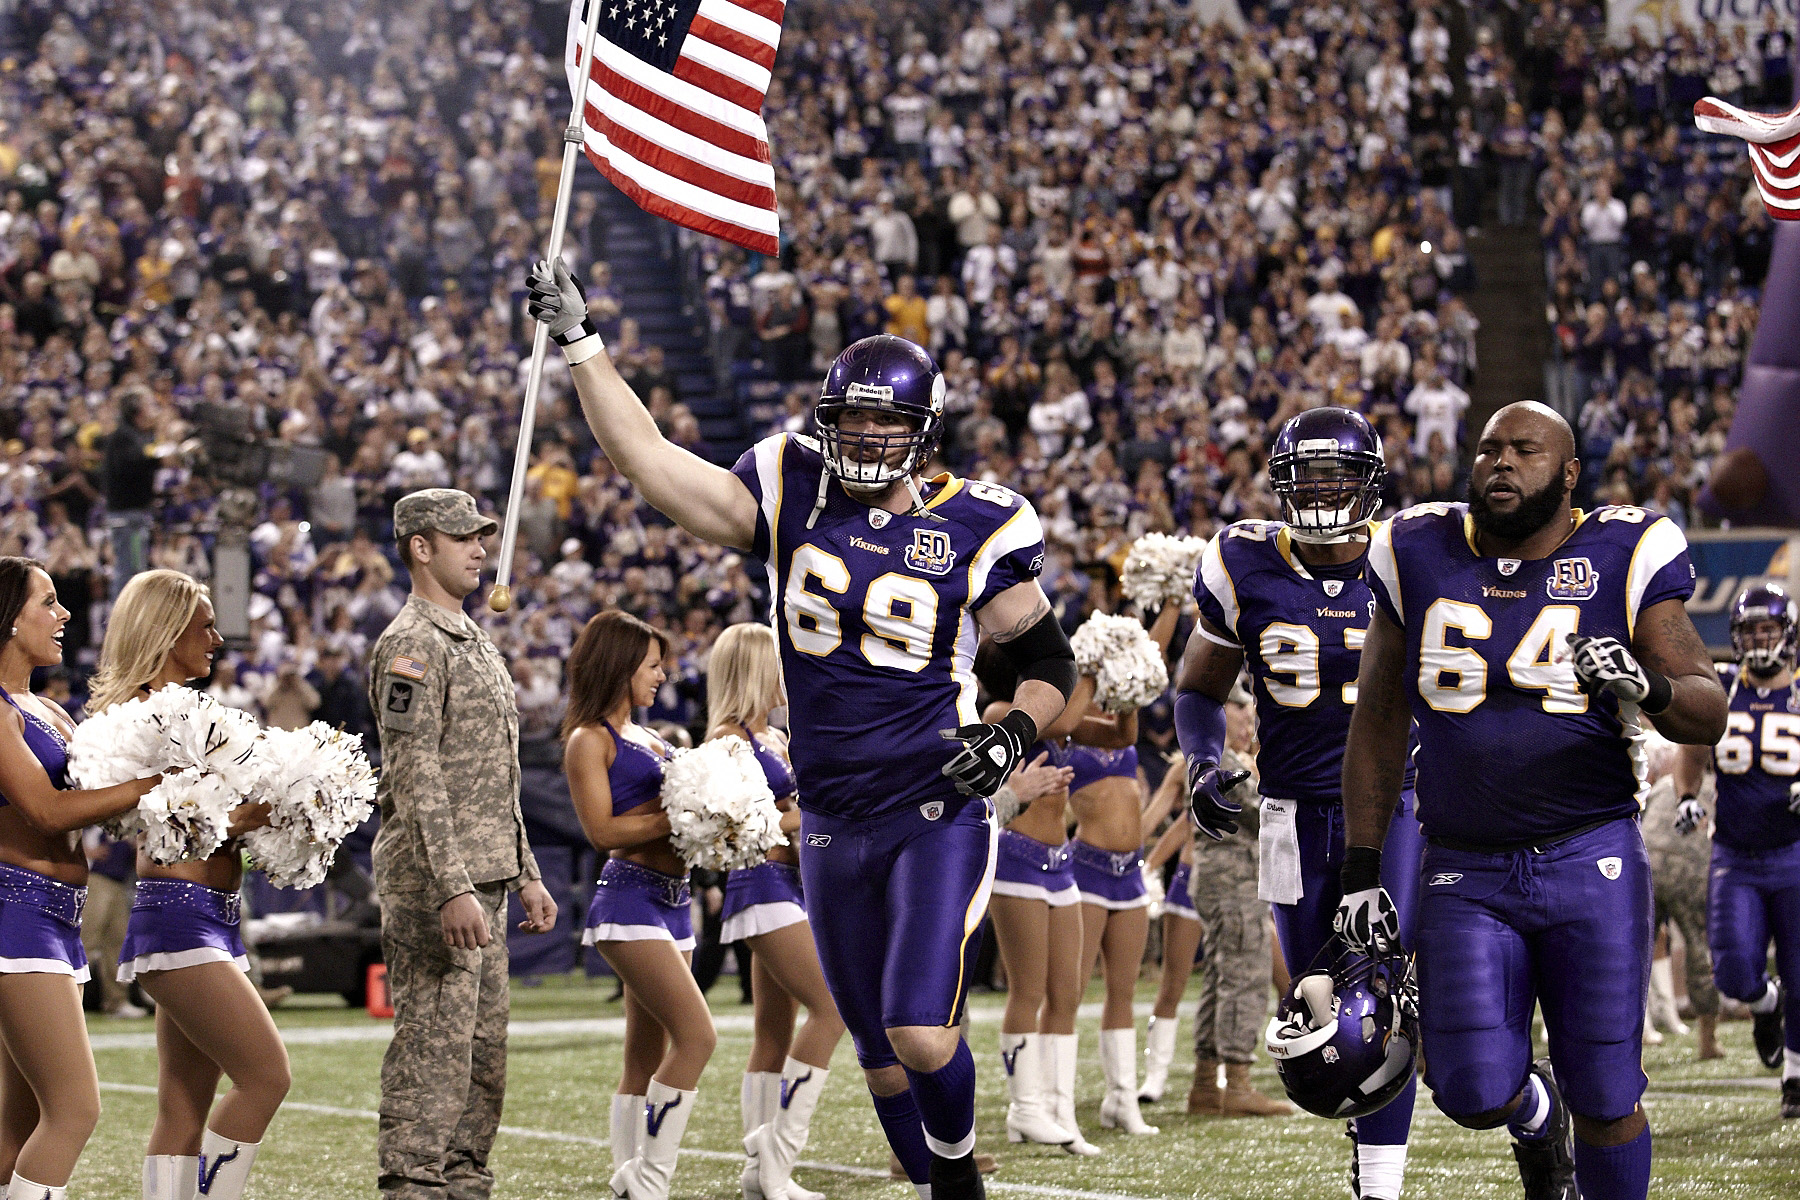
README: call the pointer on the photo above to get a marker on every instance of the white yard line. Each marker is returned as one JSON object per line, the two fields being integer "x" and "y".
{"x": 598, "y": 1143}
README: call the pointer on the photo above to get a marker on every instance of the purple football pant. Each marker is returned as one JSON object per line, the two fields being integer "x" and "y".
{"x": 1306, "y": 927}
{"x": 1751, "y": 897}
{"x": 896, "y": 904}
{"x": 1569, "y": 929}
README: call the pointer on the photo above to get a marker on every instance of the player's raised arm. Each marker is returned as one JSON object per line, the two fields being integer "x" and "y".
{"x": 706, "y": 500}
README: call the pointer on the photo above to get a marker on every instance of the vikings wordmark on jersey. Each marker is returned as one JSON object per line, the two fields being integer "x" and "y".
{"x": 874, "y": 613}
{"x": 1510, "y": 750}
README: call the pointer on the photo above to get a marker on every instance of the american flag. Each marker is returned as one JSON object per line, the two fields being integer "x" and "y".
{"x": 674, "y": 113}
{"x": 1774, "y": 150}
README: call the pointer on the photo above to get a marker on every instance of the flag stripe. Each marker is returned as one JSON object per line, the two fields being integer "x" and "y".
{"x": 681, "y": 192}
{"x": 626, "y": 94}
{"x": 742, "y": 45}
{"x": 727, "y": 63}
{"x": 735, "y": 16}
{"x": 722, "y": 86}
{"x": 679, "y": 166}
{"x": 747, "y": 121}
{"x": 642, "y": 124}
{"x": 769, "y": 10}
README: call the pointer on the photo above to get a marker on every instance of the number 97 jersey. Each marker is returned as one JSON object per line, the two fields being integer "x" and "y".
{"x": 1511, "y": 752}
{"x": 874, "y": 613}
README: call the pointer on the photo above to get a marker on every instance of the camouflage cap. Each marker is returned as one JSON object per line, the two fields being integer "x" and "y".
{"x": 443, "y": 509}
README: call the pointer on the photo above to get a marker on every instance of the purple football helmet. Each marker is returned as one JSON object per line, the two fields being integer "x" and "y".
{"x": 1327, "y": 467}
{"x": 891, "y": 375}
{"x": 1764, "y": 602}
{"x": 1346, "y": 1034}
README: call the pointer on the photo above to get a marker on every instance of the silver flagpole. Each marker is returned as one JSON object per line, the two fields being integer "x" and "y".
{"x": 500, "y": 597}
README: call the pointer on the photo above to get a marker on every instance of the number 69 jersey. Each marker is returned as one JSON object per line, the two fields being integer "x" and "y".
{"x": 875, "y": 616}
{"x": 1511, "y": 752}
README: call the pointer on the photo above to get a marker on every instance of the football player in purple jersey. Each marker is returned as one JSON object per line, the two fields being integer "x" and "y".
{"x": 882, "y": 581}
{"x": 1288, "y": 601}
{"x": 1754, "y": 884}
{"x": 1526, "y": 640}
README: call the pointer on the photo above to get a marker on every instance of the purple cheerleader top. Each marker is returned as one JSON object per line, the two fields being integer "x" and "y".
{"x": 46, "y": 743}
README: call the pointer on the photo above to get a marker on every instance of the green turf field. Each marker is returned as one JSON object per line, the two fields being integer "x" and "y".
{"x": 1718, "y": 1132}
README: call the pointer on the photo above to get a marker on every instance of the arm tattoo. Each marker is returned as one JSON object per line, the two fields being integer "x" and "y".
{"x": 1674, "y": 646}
{"x": 1037, "y": 613}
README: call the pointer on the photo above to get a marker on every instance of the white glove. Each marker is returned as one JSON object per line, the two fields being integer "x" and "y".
{"x": 556, "y": 298}
{"x": 1606, "y": 663}
{"x": 1368, "y": 921}
{"x": 1689, "y": 814}
{"x": 1794, "y": 798}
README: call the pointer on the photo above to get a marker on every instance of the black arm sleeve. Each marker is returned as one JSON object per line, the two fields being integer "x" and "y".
{"x": 1043, "y": 652}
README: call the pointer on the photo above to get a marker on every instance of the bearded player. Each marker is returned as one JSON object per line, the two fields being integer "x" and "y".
{"x": 1753, "y": 888}
{"x": 1528, "y": 641}
{"x": 1289, "y": 600}
{"x": 882, "y": 581}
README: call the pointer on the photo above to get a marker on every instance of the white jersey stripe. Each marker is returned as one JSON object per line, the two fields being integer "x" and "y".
{"x": 1661, "y": 545}
{"x": 1217, "y": 581}
{"x": 1383, "y": 566}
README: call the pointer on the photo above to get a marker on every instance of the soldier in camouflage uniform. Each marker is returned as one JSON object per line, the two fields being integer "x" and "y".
{"x": 1678, "y": 867}
{"x": 1234, "y": 975}
{"x": 452, "y": 844}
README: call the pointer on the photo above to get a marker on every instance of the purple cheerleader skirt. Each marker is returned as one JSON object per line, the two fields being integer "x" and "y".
{"x": 632, "y": 903}
{"x": 1110, "y": 879}
{"x": 40, "y": 925}
{"x": 176, "y": 924}
{"x": 1034, "y": 870}
{"x": 1180, "y": 902}
{"x": 761, "y": 899}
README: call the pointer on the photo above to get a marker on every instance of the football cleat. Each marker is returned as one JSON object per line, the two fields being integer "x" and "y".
{"x": 1547, "y": 1163}
{"x": 1790, "y": 1096}
{"x": 1765, "y": 1028}
{"x": 1345, "y": 1036}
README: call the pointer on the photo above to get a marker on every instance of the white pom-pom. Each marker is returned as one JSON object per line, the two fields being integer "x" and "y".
{"x": 722, "y": 815}
{"x": 1127, "y": 667}
{"x": 319, "y": 787}
{"x": 187, "y": 815}
{"x": 1160, "y": 569}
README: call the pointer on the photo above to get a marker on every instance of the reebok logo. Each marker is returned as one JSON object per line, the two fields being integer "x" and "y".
{"x": 820, "y": 840}
{"x": 1445, "y": 878}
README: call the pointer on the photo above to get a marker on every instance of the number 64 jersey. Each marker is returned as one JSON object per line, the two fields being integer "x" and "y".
{"x": 875, "y": 616}
{"x": 1511, "y": 752}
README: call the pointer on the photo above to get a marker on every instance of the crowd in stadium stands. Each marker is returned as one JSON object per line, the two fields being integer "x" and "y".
{"x": 1135, "y": 245}
{"x": 1655, "y": 243}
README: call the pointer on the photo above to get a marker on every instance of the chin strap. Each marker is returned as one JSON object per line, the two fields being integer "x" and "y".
{"x": 919, "y": 509}
{"x": 819, "y": 504}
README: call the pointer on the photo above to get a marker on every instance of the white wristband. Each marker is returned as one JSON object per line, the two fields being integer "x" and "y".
{"x": 580, "y": 351}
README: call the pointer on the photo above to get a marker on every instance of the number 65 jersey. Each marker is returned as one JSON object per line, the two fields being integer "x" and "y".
{"x": 874, "y": 613}
{"x": 1511, "y": 752}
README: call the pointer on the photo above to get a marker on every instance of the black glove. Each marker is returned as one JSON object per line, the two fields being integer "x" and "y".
{"x": 556, "y": 299}
{"x": 1688, "y": 815}
{"x": 989, "y": 753}
{"x": 1606, "y": 663}
{"x": 1366, "y": 917}
{"x": 1208, "y": 809}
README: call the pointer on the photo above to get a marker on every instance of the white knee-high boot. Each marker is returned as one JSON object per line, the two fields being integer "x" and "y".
{"x": 1028, "y": 1116}
{"x": 627, "y": 1118}
{"x": 1062, "y": 1048}
{"x": 167, "y": 1177}
{"x": 660, "y": 1130}
{"x": 1157, "y": 1056}
{"x": 21, "y": 1186}
{"x": 224, "y": 1166}
{"x": 1118, "y": 1061}
{"x": 777, "y": 1145}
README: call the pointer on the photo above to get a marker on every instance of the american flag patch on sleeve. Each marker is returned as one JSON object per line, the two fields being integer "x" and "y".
{"x": 409, "y": 668}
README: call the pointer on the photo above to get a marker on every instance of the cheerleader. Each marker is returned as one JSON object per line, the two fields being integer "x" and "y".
{"x": 49, "y": 1093}
{"x": 182, "y": 943}
{"x": 639, "y": 919}
{"x": 787, "y": 1070}
{"x": 1037, "y": 922}
{"x": 1107, "y": 856}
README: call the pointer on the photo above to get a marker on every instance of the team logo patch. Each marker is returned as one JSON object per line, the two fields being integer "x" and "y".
{"x": 878, "y": 518}
{"x": 410, "y": 668}
{"x": 932, "y": 811}
{"x": 1572, "y": 579}
{"x": 1610, "y": 867}
{"x": 821, "y": 840}
{"x": 930, "y": 552}
{"x": 1329, "y": 1054}
{"x": 1445, "y": 878}
{"x": 1508, "y": 565}
{"x": 1333, "y": 586}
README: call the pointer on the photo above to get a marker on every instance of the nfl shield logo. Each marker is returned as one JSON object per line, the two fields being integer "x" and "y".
{"x": 1333, "y": 586}
{"x": 1610, "y": 867}
{"x": 878, "y": 518}
{"x": 934, "y": 810}
{"x": 1508, "y": 565}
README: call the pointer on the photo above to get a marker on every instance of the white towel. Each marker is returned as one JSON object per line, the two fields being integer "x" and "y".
{"x": 1278, "y": 854}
